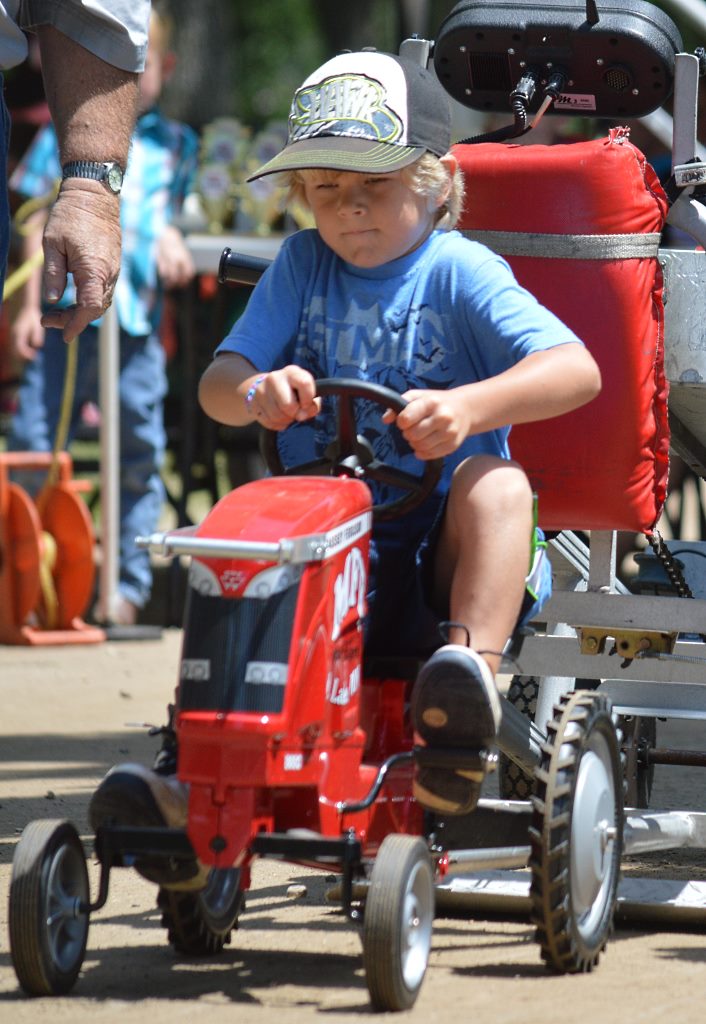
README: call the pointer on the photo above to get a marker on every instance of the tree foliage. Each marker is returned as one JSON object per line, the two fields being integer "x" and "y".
{"x": 245, "y": 59}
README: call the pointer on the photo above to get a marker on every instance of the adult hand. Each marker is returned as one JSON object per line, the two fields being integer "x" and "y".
{"x": 82, "y": 236}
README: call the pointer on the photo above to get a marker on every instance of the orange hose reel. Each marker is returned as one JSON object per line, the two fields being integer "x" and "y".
{"x": 46, "y": 556}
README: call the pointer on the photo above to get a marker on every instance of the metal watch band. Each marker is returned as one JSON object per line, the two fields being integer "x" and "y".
{"x": 109, "y": 172}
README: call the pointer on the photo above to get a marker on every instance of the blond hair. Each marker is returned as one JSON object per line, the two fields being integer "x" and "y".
{"x": 427, "y": 176}
{"x": 161, "y": 26}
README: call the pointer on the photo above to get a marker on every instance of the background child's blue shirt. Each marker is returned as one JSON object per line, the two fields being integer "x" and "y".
{"x": 160, "y": 174}
{"x": 447, "y": 314}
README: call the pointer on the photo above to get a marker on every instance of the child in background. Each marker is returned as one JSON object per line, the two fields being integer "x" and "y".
{"x": 160, "y": 174}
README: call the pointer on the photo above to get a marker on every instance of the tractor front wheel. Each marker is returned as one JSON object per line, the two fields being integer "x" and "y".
{"x": 200, "y": 923}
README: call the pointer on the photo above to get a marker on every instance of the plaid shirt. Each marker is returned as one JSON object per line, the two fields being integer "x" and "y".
{"x": 160, "y": 174}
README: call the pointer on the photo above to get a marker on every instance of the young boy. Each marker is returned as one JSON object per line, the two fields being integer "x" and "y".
{"x": 162, "y": 166}
{"x": 383, "y": 290}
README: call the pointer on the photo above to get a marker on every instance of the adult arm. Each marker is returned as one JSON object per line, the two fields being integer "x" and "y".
{"x": 93, "y": 105}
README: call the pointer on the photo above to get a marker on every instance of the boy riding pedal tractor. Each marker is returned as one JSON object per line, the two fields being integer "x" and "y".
{"x": 384, "y": 290}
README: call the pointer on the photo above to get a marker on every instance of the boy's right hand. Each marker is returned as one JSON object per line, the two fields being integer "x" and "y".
{"x": 285, "y": 396}
{"x": 27, "y": 333}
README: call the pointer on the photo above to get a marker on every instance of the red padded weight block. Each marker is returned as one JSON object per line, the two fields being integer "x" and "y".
{"x": 604, "y": 466}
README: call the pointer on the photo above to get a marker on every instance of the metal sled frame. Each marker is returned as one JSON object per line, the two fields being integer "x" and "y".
{"x": 646, "y": 653}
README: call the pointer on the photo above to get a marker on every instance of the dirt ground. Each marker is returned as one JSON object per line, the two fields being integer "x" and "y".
{"x": 68, "y": 713}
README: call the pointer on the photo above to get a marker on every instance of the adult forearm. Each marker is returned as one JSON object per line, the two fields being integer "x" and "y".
{"x": 92, "y": 103}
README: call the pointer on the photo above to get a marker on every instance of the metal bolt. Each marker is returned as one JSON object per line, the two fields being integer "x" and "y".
{"x": 608, "y": 834}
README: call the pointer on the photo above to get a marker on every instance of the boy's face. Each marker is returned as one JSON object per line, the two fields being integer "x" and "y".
{"x": 367, "y": 219}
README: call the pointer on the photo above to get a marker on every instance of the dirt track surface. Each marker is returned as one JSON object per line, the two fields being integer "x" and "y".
{"x": 64, "y": 722}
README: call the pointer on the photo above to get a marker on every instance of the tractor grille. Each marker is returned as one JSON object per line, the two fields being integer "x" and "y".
{"x": 236, "y": 651}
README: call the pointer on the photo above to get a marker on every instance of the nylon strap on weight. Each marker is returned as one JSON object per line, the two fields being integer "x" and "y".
{"x": 569, "y": 247}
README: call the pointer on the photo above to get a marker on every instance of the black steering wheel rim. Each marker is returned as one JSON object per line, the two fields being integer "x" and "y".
{"x": 351, "y": 455}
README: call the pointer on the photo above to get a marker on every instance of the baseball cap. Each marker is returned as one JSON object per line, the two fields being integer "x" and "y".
{"x": 369, "y": 111}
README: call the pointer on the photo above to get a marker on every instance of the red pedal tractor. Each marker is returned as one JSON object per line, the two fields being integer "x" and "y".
{"x": 293, "y": 749}
{"x": 290, "y": 752}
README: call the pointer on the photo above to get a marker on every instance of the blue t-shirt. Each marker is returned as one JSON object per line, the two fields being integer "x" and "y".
{"x": 447, "y": 314}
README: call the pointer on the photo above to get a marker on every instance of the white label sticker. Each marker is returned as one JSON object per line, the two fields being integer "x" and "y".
{"x": 575, "y": 101}
{"x": 344, "y": 535}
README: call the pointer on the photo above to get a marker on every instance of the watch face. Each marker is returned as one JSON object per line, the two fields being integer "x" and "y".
{"x": 115, "y": 178}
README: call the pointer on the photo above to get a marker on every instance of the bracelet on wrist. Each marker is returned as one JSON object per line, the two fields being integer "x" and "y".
{"x": 252, "y": 389}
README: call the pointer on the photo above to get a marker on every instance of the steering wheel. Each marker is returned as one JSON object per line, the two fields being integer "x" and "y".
{"x": 350, "y": 454}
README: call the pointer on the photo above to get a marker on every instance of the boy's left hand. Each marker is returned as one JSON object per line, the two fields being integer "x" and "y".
{"x": 433, "y": 424}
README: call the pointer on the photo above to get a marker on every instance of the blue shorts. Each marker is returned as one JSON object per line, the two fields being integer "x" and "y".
{"x": 401, "y": 620}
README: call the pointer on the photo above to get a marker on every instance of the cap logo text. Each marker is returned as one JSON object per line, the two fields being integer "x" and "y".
{"x": 350, "y": 105}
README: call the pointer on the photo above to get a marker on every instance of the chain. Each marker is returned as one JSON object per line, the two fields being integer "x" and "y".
{"x": 670, "y": 564}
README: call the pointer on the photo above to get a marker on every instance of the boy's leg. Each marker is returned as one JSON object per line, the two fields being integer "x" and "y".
{"x": 481, "y": 564}
{"x": 483, "y": 553}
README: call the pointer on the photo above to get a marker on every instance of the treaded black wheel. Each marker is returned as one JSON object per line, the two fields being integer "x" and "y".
{"x": 200, "y": 923}
{"x": 48, "y": 889}
{"x": 398, "y": 921}
{"x": 576, "y": 833}
{"x": 513, "y": 782}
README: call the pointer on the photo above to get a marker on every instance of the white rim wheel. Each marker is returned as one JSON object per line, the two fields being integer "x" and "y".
{"x": 592, "y": 835}
{"x": 576, "y": 833}
{"x": 398, "y": 922}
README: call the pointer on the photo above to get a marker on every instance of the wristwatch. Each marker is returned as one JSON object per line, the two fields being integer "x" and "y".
{"x": 110, "y": 172}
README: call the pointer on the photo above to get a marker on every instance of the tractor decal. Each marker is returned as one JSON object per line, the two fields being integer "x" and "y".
{"x": 340, "y": 689}
{"x": 349, "y": 590}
